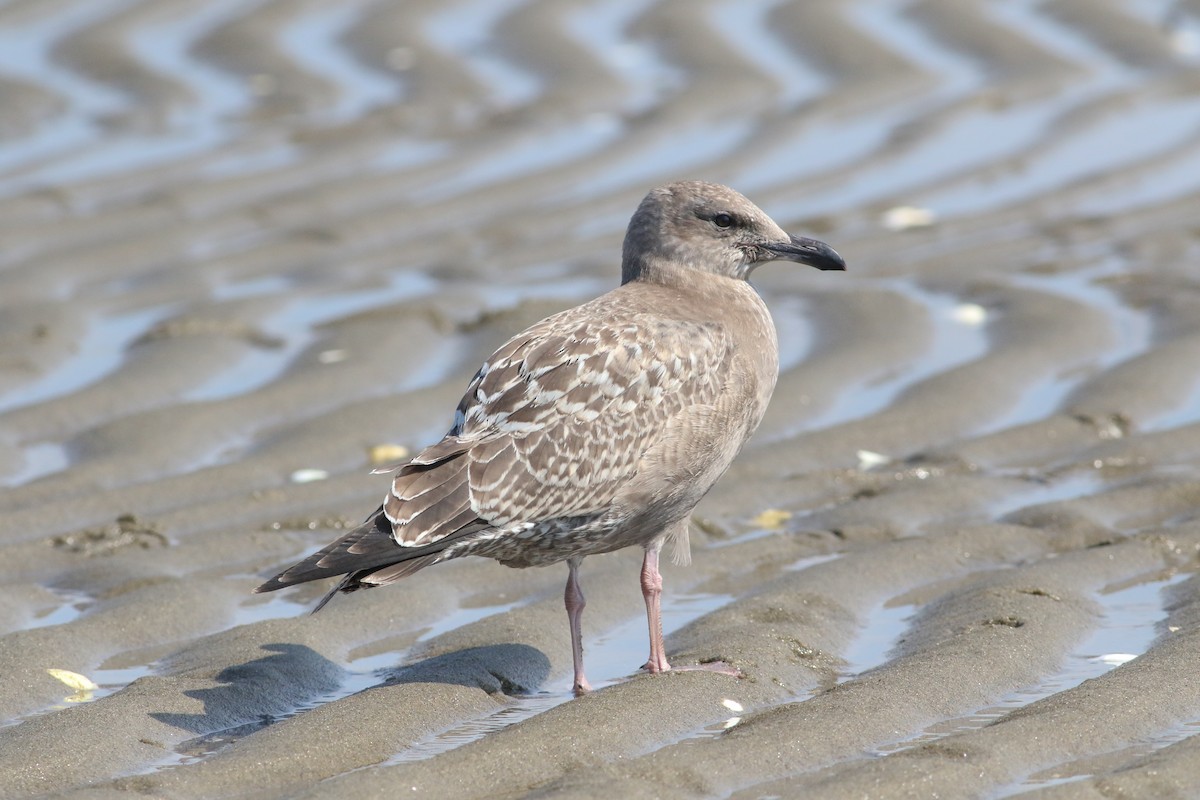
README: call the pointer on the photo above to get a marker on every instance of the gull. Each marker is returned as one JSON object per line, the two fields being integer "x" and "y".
{"x": 600, "y": 427}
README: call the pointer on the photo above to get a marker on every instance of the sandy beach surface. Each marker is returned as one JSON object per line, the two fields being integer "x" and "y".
{"x": 250, "y": 249}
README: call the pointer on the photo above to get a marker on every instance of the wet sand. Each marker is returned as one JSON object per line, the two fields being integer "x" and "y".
{"x": 241, "y": 245}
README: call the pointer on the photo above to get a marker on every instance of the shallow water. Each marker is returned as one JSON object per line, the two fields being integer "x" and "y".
{"x": 102, "y": 352}
{"x": 293, "y": 328}
{"x": 1129, "y": 622}
{"x": 610, "y": 658}
{"x": 954, "y": 342}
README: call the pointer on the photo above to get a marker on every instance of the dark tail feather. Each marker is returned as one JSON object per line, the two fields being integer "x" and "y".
{"x": 367, "y": 556}
{"x": 367, "y": 546}
{"x": 341, "y": 586}
{"x": 369, "y": 579}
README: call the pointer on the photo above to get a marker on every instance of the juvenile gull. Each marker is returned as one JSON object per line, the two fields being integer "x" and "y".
{"x": 600, "y": 427}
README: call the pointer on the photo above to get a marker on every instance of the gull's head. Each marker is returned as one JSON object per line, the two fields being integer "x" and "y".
{"x": 711, "y": 228}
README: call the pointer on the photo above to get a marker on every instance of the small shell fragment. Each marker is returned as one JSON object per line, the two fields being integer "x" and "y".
{"x": 333, "y": 356}
{"x": 380, "y": 454}
{"x": 80, "y": 683}
{"x": 772, "y": 519}
{"x": 309, "y": 475}
{"x": 901, "y": 218}
{"x": 969, "y": 314}
{"x": 1116, "y": 659}
{"x": 869, "y": 459}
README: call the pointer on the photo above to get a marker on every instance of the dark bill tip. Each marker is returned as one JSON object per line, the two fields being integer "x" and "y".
{"x": 803, "y": 250}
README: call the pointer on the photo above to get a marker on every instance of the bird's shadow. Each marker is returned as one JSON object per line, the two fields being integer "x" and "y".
{"x": 511, "y": 669}
{"x": 258, "y": 692}
{"x": 294, "y": 678}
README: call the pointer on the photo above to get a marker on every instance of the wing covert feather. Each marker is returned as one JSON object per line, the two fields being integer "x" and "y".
{"x": 560, "y": 421}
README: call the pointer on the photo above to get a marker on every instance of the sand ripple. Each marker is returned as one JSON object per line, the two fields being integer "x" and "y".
{"x": 243, "y": 239}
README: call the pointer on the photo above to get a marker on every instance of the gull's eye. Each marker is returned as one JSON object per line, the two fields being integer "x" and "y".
{"x": 722, "y": 220}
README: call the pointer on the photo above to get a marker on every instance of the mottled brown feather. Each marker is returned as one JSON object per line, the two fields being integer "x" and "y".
{"x": 425, "y": 496}
{"x": 564, "y": 419}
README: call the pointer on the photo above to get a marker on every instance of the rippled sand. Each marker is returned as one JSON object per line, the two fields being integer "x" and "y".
{"x": 243, "y": 243}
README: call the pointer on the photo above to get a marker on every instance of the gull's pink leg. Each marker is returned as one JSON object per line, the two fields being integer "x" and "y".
{"x": 575, "y": 603}
{"x": 652, "y": 592}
